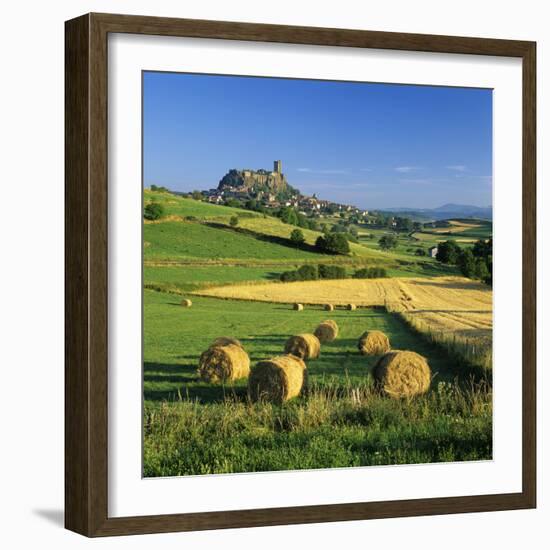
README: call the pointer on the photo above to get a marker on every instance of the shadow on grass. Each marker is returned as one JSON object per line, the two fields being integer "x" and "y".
{"x": 177, "y": 381}
{"x": 266, "y": 238}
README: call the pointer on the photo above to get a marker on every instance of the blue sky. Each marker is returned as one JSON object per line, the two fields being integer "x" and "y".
{"x": 372, "y": 145}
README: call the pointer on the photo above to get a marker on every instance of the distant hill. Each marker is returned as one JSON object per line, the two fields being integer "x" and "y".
{"x": 446, "y": 211}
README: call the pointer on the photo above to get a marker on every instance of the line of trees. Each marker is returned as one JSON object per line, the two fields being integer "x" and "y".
{"x": 474, "y": 262}
{"x": 310, "y": 272}
{"x": 396, "y": 223}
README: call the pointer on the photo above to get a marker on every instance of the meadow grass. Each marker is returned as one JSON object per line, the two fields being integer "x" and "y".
{"x": 192, "y": 427}
{"x": 329, "y": 428}
{"x": 187, "y": 278}
{"x": 195, "y": 240}
{"x": 175, "y": 205}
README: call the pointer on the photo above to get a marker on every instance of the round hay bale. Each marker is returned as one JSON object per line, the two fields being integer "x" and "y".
{"x": 186, "y": 303}
{"x": 304, "y": 346}
{"x": 224, "y": 363}
{"x": 327, "y": 331}
{"x": 278, "y": 379}
{"x": 225, "y": 341}
{"x": 373, "y": 342}
{"x": 351, "y": 307}
{"x": 298, "y": 307}
{"x": 329, "y": 307}
{"x": 402, "y": 374}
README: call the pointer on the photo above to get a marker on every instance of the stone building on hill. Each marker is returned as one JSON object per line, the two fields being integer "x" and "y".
{"x": 256, "y": 181}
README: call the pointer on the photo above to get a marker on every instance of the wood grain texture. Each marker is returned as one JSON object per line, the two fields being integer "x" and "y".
{"x": 529, "y": 276}
{"x": 77, "y": 458}
{"x": 86, "y": 279}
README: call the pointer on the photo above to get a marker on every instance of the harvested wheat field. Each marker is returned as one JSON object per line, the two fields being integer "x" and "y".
{"x": 450, "y": 310}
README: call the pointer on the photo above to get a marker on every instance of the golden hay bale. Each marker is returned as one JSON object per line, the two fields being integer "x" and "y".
{"x": 304, "y": 346}
{"x": 186, "y": 303}
{"x": 224, "y": 341}
{"x": 327, "y": 331}
{"x": 278, "y": 379}
{"x": 298, "y": 307}
{"x": 402, "y": 374}
{"x": 373, "y": 342}
{"x": 329, "y": 307}
{"x": 351, "y": 307}
{"x": 224, "y": 363}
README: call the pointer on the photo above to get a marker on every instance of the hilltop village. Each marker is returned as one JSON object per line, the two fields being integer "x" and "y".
{"x": 270, "y": 189}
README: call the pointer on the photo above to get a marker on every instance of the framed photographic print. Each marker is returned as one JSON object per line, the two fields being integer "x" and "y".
{"x": 300, "y": 275}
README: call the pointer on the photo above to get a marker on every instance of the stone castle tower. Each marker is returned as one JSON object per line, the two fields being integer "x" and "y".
{"x": 255, "y": 180}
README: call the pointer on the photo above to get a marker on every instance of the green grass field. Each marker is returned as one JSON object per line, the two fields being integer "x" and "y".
{"x": 183, "y": 414}
{"x": 195, "y": 240}
{"x": 192, "y": 427}
{"x": 182, "y": 206}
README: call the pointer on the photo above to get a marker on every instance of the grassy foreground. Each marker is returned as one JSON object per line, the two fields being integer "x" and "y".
{"x": 191, "y": 427}
{"x": 331, "y": 428}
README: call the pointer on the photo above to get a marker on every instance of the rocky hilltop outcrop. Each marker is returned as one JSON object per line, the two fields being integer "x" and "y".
{"x": 256, "y": 182}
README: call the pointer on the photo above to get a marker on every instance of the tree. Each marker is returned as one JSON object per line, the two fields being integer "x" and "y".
{"x": 404, "y": 224}
{"x": 289, "y": 276}
{"x": 370, "y": 273}
{"x": 234, "y": 221}
{"x": 489, "y": 279}
{"x": 302, "y": 221}
{"x": 466, "y": 263}
{"x": 153, "y": 211}
{"x": 252, "y": 204}
{"x": 196, "y": 195}
{"x": 387, "y": 242}
{"x": 297, "y": 237}
{"x": 481, "y": 270}
{"x": 447, "y": 252}
{"x": 333, "y": 243}
{"x": 307, "y": 273}
{"x": 483, "y": 249}
{"x": 331, "y": 271}
{"x": 288, "y": 215}
{"x": 313, "y": 225}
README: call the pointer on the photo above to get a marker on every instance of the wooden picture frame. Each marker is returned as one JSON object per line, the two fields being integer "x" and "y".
{"x": 86, "y": 283}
